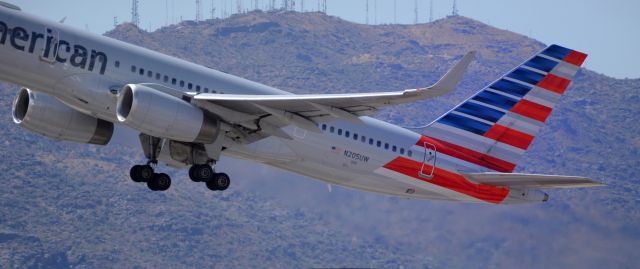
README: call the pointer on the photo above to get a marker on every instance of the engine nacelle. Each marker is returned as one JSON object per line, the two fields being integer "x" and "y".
{"x": 46, "y": 115}
{"x": 162, "y": 115}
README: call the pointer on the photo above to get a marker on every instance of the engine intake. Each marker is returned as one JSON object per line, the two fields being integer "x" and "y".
{"x": 162, "y": 115}
{"x": 44, "y": 114}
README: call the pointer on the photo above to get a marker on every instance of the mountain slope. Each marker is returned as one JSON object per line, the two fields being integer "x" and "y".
{"x": 69, "y": 205}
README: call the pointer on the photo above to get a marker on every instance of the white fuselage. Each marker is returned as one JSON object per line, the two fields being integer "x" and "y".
{"x": 88, "y": 71}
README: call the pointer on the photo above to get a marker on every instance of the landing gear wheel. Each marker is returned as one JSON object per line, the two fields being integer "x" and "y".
{"x": 219, "y": 182}
{"x": 160, "y": 182}
{"x": 141, "y": 173}
{"x": 201, "y": 173}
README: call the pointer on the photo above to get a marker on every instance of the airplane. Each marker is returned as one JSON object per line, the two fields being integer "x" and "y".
{"x": 77, "y": 86}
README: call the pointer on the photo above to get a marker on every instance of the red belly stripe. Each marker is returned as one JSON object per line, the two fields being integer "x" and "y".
{"x": 449, "y": 180}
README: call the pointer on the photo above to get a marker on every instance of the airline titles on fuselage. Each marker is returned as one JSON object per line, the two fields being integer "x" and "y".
{"x": 20, "y": 39}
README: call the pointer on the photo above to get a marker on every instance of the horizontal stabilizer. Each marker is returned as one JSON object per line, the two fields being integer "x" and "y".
{"x": 531, "y": 181}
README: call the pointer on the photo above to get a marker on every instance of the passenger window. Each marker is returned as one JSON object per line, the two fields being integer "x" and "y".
{"x": 158, "y": 76}
{"x": 133, "y": 69}
{"x": 190, "y": 86}
{"x": 182, "y": 83}
{"x": 141, "y": 71}
{"x": 173, "y": 81}
{"x": 166, "y": 78}
{"x": 324, "y": 127}
{"x": 394, "y": 148}
{"x": 363, "y": 139}
{"x": 355, "y": 136}
{"x": 198, "y": 88}
{"x": 346, "y": 133}
{"x": 206, "y": 89}
{"x": 370, "y": 141}
{"x": 331, "y": 129}
{"x": 117, "y": 64}
{"x": 402, "y": 151}
{"x": 339, "y": 131}
{"x": 378, "y": 143}
{"x": 409, "y": 153}
{"x": 386, "y": 145}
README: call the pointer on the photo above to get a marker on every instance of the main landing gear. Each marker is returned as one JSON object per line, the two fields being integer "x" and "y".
{"x": 197, "y": 173}
{"x": 186, "y": 153}
{"x": 204, "y": 173}
{"x": 155, "y": 181}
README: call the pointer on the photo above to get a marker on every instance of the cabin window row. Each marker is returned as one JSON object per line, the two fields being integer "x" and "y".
{"x": 173, "y": 81}
{"x": 363, "y": 139}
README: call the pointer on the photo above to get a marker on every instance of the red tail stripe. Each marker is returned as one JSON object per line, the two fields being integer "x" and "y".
{"x": 554, "y": 83}
{"x": 575, "y": 57}
{"x": 468, "y": 155}
{"x": 449, "y": 180}
{"x": 509, "y": 136}
{"x": 531, "y": 110}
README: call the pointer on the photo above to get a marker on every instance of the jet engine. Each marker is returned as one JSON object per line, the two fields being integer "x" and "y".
{"x": 45, "y": 115}
{"x": 162, "y": 115}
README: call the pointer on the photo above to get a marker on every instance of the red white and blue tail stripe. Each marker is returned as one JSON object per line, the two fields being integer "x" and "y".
{"x": 494, "y": 128}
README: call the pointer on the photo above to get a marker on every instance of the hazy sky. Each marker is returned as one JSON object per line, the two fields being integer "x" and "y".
{"x": 606, "y": 30}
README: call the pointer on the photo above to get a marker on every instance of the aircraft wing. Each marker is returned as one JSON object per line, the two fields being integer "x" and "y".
{"x": 316, "y": 107}
{"x": 531, "y": 181}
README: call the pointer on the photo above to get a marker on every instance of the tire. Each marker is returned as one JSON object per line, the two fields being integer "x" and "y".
{"x": 162, "y": 182}
{"x": 151, "y": 184}
{"x": 145, "y": 173}
{"x": 201, "y": 173}
{"x": 192, "y": 174}
{"x": 223, "y": 181}
{"x": 220, "y": 182}
{"x": 134, "y": 173}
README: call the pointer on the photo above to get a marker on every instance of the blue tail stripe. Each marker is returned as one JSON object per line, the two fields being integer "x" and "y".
{"x": 465, "y": 123}
{"x": 480, "y": 111}
{"x": 495, "y": 99}
{"x": 541, "y": 63}
{"x": 511, "y": 87}
{"x": 525, "y": 75}
{"x": 556, "y": 51}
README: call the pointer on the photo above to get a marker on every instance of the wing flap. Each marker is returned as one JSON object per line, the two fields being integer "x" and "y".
{"x": 531, "y": 181}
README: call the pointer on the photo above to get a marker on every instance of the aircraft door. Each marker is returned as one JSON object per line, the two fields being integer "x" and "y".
{"x": 429, "y": 161}
{"x": 49, "y": 48}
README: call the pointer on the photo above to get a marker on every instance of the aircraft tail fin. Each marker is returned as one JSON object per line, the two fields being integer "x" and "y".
{"x": 495, "y": 126}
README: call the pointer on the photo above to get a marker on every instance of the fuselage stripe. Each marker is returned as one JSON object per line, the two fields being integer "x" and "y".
{"x": 468, "y": 155}
{"x": 449, "y": 180}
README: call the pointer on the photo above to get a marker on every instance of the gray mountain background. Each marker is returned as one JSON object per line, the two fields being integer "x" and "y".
{"x": 69, "y": 205}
